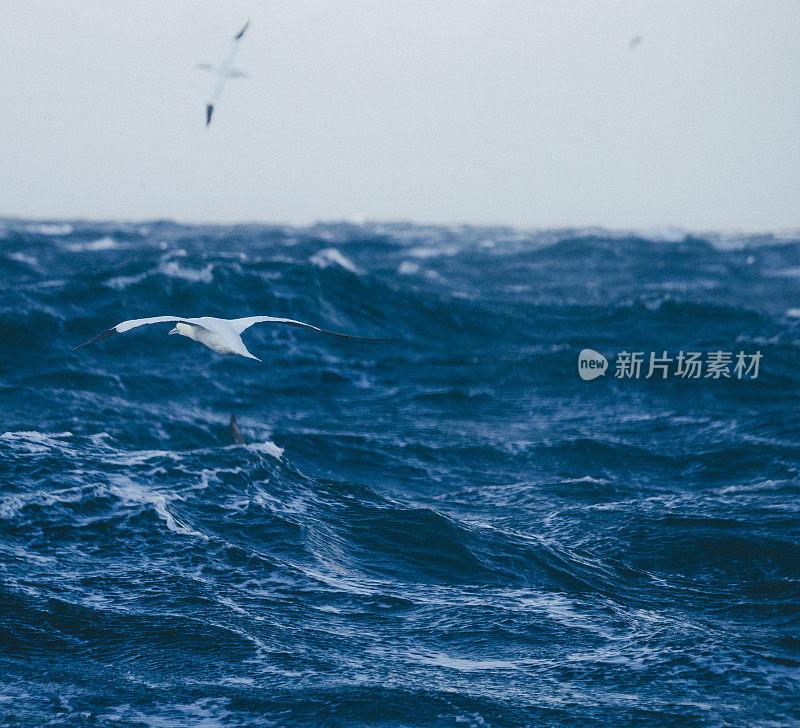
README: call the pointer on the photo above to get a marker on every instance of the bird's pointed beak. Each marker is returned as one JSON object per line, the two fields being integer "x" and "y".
{"x": 174, "y": 331}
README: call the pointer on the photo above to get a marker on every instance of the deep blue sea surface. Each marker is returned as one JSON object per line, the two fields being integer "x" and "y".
{"x": 448, "y": 529}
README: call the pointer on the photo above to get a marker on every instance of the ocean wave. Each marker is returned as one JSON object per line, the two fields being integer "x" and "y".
{"x": 426, "y": 530}
{"x": 331, "y": 256}
{"x": 268, "y": 447}
{"x": 104, "y": 243}
{"x": 23, "y": 258}
{"x": 132, "y": 493}
{"x": 50, "y": 229}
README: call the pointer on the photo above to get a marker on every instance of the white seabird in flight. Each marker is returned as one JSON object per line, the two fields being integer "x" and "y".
{"x": 221, "y": 335}
{"x": 223, "y": 71}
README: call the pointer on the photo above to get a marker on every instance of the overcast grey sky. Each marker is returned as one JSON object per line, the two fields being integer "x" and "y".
{"x": 527, "y": 113}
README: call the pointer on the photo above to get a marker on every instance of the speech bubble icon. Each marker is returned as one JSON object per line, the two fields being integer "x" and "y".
{"x": 591, "y": 364}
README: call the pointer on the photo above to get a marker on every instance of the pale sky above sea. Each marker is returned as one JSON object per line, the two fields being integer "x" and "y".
{"x": 532, "y": 114}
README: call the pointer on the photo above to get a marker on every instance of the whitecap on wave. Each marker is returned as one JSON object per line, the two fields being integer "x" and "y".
{"x": 49, "y": 229}
{"x": 104, "y": 243}
{"x": 331, "y": 256}
{"x": 791, "y": 272}
{"x": 36, "y": 442}
{"x": 169, "y": 268}
{"x": 23, "y": 258}
{"x": 268, "y": 447}
{"x": 424, "y": 253}
{"x": 408, "y": 268}
{"x": 134, "y": 494}
{"x": 173, "y": 270}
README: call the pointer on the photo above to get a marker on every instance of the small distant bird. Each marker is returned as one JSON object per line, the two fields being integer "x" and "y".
{"x": 220, "y": 335}
{"x": 224, "y": 71}
{"x": 635, "y": 41}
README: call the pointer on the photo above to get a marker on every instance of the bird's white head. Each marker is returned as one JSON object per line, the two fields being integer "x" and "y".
{"x": 182, "y": 329}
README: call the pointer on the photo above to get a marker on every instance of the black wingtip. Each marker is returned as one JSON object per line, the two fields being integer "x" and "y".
{"x": 99, "y": 337}
{"x": 355, "y": 338}
{"x": 209, "y": 112}
{"x": 239, "y": 35}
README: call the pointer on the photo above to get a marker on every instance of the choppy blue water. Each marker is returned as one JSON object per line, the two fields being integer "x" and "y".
{"x": 452, "y": 528}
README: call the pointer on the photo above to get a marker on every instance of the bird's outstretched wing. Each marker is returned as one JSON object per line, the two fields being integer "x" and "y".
{"x": 241, "y": 324}
{"x": 239, "y": 35}
{"x": 121, "y": 328}
{"x": 227, "y": 64}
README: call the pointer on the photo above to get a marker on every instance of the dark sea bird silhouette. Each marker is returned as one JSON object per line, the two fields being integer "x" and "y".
{"x": 233, "y": 429}
{"x": 224, "y": 71}
{"x": 220, "y": 335}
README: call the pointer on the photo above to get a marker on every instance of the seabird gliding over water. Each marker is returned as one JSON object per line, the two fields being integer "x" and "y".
{"x": 221, "y": 335}
{"x": 223, "y": 71}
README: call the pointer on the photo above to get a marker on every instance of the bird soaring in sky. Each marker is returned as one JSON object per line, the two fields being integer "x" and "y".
{"x": 223, "y": 71}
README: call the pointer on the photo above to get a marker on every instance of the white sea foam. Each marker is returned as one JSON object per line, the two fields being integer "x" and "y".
{"x": 23, "y": 258}
{"x": 12, "y": 505}
{"x": 99, "y": 438}
{"x": 268, "y": 447}
{"x": 424, "y": 253}
{"x": 586, "y": 479}
{"x": 132, "y": 493}
{"x": 793, "y": 313}
{"x": 296, "y": 505}
{"x": 408, "y": 268}
{"x": 36, "y": 442}
{"x": 49, "y": 229}
{"x": 141, "y": 457}
{"x": 560, "y": 610}
{"x": 203, "y": 713}
{"x": 793, "y": 272}
{"x": 463, "y": 664}
{"x": 104, "y": 243}
{"x": 122, "y": 283}
{"x": 173, "y": 270}
{"x": 328, "y": 609}
{"x": 331, "y": 256}
{"x": 169, "y": 268}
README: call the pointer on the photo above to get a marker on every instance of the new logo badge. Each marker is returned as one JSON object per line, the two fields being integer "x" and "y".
{"x": 591, "y": 364}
